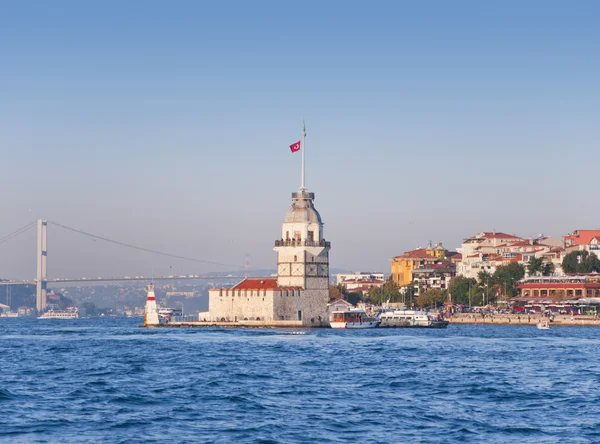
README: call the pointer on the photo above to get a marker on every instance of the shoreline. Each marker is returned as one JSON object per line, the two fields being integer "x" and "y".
{"x": 457, "y": 319}
{"x": 513, "y": 319}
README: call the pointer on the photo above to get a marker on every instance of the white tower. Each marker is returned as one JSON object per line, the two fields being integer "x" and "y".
{"x": 151, "y": 312}
{"x": 303, "y": 253}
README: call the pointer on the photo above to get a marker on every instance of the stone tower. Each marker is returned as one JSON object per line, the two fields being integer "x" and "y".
{"x": 303, "y": 256}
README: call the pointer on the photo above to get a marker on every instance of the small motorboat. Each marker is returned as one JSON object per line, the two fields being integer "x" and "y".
{"x": 543, "y": 325}
{"x": 355, "y": 318}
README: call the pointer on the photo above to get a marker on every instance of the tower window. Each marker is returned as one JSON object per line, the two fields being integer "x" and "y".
{"x": 311, "y": 235}
{"x": 287, "y": 235}
{"x": 297, "y": 235}
{"x": 295, "y": 258}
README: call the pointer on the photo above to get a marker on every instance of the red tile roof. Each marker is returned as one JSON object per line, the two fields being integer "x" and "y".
{"x": 522, "y": 243}
{"x": 419, "y": 253}
{"x": 582, "y": 237}
{"x": 494, "y": 235}
{"x": 257, "y": 284}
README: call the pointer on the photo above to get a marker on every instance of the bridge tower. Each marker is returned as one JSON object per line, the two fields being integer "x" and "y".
{"x": 42, "y": 256}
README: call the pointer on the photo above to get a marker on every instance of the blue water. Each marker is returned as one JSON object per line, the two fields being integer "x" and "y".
{"x": 107, "y": 380}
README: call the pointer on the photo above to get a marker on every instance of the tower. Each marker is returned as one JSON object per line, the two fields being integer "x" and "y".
{"x": 302, "y": 252}
{"x": 40, "y": 300}
{"x": 151, "y": 311}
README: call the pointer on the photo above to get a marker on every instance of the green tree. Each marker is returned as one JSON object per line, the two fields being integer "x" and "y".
{"x": 432, "y": 297}
{"x": 580, "y": 262}
{"x": 354, "y": 297}
{"x": 548, "y": 269}
{"x": 508, "y": 276}
{"x": 535, "y": 266}
{"x": 459, "y": 288}
{"x": 483, "y": 277}
{"x": 335, "y": 293}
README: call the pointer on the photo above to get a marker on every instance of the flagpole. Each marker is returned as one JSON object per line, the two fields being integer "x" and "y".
{"x": 303, "y": 150}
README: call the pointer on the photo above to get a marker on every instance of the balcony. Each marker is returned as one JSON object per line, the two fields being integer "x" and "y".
{"x": 303, "y": 195}
{"x": 300, "y": 243}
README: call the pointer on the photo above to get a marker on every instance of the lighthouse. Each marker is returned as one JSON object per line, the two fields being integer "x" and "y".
{"x": 298, "y": 295}
{"x": 151, "y": 312}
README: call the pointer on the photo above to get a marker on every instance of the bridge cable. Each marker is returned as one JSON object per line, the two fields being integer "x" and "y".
{"x": 19, "y": 231}
{"x": 147, "y": 250}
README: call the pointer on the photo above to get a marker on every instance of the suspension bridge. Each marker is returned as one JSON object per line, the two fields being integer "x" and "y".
{"x": 41, "y": 282}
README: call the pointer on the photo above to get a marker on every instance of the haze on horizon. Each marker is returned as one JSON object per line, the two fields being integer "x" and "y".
{"x": 169, "y": 127}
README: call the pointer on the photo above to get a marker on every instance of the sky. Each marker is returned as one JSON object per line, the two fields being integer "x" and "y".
{"x": 167, "y": 125}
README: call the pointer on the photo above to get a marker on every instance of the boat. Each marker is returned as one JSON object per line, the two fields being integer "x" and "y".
{"x": 355, "y": 318}
{"x": 69, "y": 313}
{"x": 9, "y": 314}
{"x": 411, "y": 318}
{"x": 543, "y": 325}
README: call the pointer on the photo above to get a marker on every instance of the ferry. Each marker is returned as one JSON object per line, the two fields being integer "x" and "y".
{"x": 410, "y": 318}
{"x": 355, "y": 318}
{"x": 69, "y": 313}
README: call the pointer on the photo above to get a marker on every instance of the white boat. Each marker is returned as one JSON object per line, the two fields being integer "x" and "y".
{"x": 411, "y": 318}
{"x": 9, "y": 314}
{"x": 69, "y": 313}
{"x": 355, "y": 318}
{"x": 543, "y": 325}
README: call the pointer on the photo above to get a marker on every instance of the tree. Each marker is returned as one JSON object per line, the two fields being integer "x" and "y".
{"x": 335, "y": 293}
{"x": 483, "y": 276}
{"x": 548, "y": 269}
{"x": 459, "y": 289}
{"x": 432, "y": 297}
{"x": 535, "y": 266}
{"x": 580, "y": 262}
{"x": 354, "y": 297}
{"x": 508, "y": 276}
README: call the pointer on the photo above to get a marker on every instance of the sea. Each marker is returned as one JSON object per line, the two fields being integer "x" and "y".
{"x": 109, "y": 381}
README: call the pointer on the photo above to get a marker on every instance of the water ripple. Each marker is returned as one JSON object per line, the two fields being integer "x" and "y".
{"x": 110, "y": 381}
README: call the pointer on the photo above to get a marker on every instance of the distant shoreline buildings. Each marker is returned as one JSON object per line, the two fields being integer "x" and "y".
{"x": 434, "y": 266}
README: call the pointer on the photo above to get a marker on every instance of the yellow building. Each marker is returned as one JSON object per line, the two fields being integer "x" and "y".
{"x": 403, "y": 265}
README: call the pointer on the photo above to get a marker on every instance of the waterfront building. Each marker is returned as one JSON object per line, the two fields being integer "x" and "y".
{"x": 358, "y": 276}
{"x": 560, "y": 287}
{"x": 436, "y": 275}
{"x": 581, "y": 237}
{"x": 301, "y": 290}
{"x": 486, "y": 243}
{"x": 570, "y": 293}
{"x": 362, "y": 282}
{"x": 300, "y": 293}
{"x": 588, "y": 240}
{"x": 402, "y": 266}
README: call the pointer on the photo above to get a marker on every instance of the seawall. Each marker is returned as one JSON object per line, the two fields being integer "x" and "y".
{"x": 524, "y": 319}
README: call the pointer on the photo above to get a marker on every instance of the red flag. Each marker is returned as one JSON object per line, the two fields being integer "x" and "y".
{"x": 295, "y": 147}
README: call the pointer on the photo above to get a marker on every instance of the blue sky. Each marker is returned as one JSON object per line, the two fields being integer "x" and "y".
{"x": 167, "y": 124}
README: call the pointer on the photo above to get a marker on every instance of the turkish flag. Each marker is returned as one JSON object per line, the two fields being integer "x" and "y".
{"x": 295, "y": 147}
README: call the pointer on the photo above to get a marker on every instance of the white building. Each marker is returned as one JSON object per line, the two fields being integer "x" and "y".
{"x": 300, "y": 293}
{"x": 358, "y": 276}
